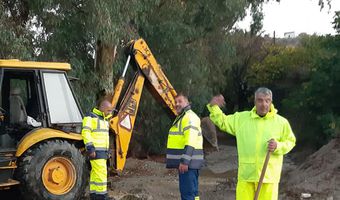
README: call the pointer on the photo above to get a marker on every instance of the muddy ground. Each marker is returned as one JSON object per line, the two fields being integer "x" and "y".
{"x": 149, "y": 179}
{"x": 317, "y": 175}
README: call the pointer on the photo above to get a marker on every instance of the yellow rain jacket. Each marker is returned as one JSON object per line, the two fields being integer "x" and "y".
{"x": 252, "y": 135}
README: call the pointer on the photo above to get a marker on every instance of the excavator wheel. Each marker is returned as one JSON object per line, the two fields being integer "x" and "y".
{"x": 53, "y": 170}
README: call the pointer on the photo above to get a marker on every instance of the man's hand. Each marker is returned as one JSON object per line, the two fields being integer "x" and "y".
{"x": 218, "y": 100}
{"x": 272, "y": 145}
{"x": 92, "y": 155}
{"x": 182, "y": 168}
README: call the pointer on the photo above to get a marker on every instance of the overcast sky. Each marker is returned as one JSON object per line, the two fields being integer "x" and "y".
{"x": 296, "y": 15}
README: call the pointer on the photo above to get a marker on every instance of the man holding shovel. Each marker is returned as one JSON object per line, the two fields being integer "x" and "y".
{"x": 257, "y": 132}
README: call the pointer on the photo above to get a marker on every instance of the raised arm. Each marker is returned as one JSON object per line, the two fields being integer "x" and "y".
{"x": 224, "y": 122}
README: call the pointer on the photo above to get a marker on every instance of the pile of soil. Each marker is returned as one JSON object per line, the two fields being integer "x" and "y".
{"x": 319, "y": 175}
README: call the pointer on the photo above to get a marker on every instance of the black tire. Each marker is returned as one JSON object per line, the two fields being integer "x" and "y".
{"x": 31, "y": 165}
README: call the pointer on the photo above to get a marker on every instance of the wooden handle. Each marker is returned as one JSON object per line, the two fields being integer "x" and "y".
{"x": 263, "y": 172}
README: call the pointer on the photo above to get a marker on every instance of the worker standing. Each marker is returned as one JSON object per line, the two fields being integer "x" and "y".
{"x": 257, "y": 131}
{"x": 95, "y": 134}
{"x": 185, "y": 148}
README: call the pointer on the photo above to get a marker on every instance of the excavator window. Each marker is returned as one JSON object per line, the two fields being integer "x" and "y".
{"x": 62, "y": 106}
{"x": 19, "y": 103}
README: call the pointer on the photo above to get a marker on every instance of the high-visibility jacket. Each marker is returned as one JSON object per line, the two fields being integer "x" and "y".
{"x": 185, "y": 141}
{"x": 95, "y": 133}
{"x": 252, "y": 135}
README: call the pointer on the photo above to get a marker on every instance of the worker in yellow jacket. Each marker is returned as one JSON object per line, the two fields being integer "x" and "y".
{"x": 256, "y": 131}
{"x": 95, "y": 134}
{"x": 185, "y": 148}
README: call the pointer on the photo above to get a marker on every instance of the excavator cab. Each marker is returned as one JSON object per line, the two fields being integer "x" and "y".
{"x": 34, "y": 98}
{"x": 40, "y": 125}
{"x": 18, "y": 98}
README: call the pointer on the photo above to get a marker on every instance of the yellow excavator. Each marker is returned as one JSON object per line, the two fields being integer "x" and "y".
{"x": 123, "y": 122}
{"x": 41, "y": 148}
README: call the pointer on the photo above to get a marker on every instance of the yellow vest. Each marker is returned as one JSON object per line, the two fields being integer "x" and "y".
{"x": 185, "y": 141}
{"x": 95, "y": 133}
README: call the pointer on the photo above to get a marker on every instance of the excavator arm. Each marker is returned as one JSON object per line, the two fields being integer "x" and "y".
{"x": 123, "y": 122}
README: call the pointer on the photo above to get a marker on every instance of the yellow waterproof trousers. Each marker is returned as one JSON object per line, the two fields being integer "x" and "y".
{"x": 98, "y": 177}
{"x": 246, "y": 191}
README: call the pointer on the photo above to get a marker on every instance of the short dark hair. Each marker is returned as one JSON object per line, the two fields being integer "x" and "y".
{"x": 102, "y": 96}
{"x": 182, "y": 94}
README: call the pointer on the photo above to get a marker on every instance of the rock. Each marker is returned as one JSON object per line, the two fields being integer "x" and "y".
{"x": 306, "y": 195}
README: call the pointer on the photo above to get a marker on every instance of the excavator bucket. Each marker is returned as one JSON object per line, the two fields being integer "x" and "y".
{"x": 209, "y": 132}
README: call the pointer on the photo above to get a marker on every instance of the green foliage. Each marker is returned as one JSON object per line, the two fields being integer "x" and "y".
{"x": 305, "y": 79}
{"x": 257, "y": 15}
{"x": 194, "y": 42}
{"x": 336, "y": 22}
{"x": 315, "y": 99}
{"x": 245, "y": 49}
{"x": 14, "y": 38}
{"x": 282, "y": 63}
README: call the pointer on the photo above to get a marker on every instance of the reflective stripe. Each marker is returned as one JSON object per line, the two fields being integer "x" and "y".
{"x": 87, "y": 128}
{"x": 181, "y": 151}
{"x": 187, "y": 157}
{"x": 197, "y": 198}
{"x": 179, "y": 117}
{"x": 194, "y": 157}
{"x": 98, "y": 175}
{"x": 101, "y": 130}
{"x": 98, "y": 124}
{"x": 98, "y": 183}
{"x": 176, "y": 133}
{"x": 101, "y": 148}
{"x": 193, "y": 127}
{"x": 189, "y": 127}
{"x": 180, "y": 124}
{"x": 95, "y": 192}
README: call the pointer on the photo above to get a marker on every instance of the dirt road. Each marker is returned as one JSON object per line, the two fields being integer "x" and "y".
{"x": 149, "y": 180}
{"x": 318, "y": 175}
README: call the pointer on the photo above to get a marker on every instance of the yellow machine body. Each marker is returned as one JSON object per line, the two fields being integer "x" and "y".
{"x": 59, "y": 174}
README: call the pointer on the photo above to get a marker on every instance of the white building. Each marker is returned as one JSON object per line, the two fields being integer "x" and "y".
{"x": 289, "y": 34}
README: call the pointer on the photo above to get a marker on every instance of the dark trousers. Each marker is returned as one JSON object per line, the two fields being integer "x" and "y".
{"x": 98, "y": 197}
{"x": 188, "y": 184}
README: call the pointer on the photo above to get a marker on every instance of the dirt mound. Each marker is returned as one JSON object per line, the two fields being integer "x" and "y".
{"x": 209, "y": 131}
{"x": 319, "y": 175}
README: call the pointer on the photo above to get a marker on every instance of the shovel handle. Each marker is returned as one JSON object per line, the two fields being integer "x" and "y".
{"x": 263, "y": 172}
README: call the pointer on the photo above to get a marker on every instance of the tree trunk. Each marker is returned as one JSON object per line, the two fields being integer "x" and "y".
{"x": 105, "y": 57}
